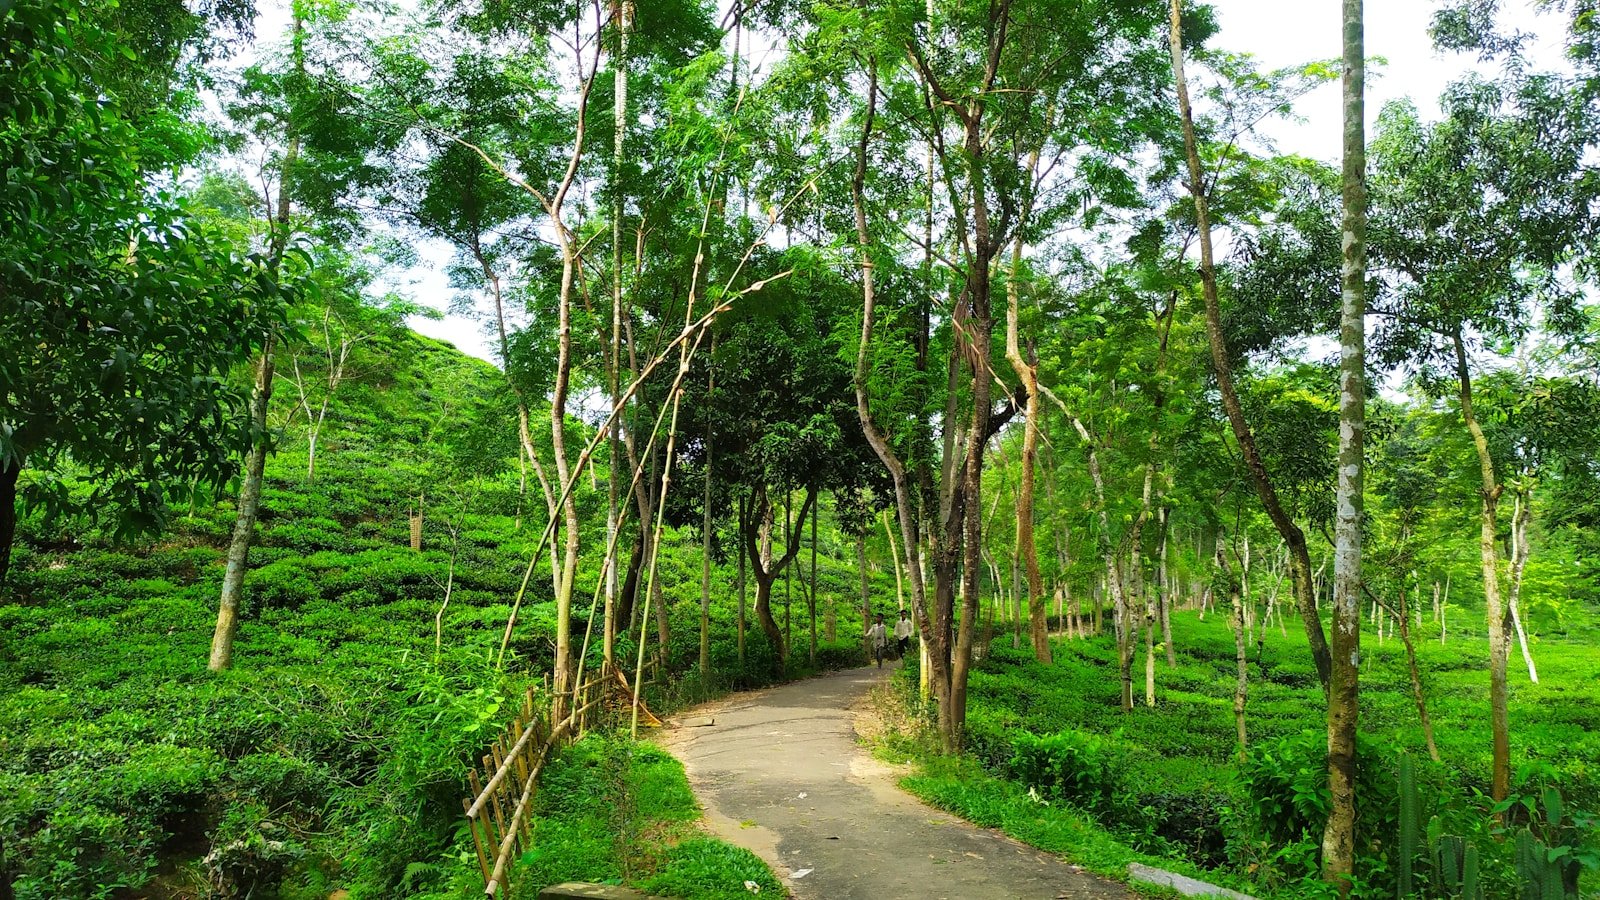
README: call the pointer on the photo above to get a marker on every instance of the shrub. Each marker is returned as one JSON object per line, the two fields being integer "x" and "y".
{"x": 989, "y": 735}
{"x": 1195, "y": 823}
{"x": 83, "y": 851}
{"x": 1069, "y": 765}
{"x": 250, "y": 853}
{"x": 1287, "y": 782}
{"x": 284, "y": 584}
{"x": 708, "y": 869}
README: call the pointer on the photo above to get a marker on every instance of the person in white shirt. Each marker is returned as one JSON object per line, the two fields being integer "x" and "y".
{"x": 878, "y": 637}
{"x": 902, "y": 634}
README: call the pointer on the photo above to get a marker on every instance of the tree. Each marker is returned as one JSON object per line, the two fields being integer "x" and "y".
{"x": 983, "y": 87}
{"x": 120, "y": 311}
{"x": 781, "y": 421}
{"x": 1492, "y": 197}
{"x": 322, "y": 157}
{"x": 1344, "y": 699}
{"x": 1222, "y": 365}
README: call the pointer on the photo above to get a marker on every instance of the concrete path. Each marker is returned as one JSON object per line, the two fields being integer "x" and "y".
{"x": 781, "y": 774}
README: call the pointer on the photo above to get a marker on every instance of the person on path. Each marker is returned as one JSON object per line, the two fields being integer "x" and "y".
{"x": 902, "y": 634}
{"x": 879, "y": 638}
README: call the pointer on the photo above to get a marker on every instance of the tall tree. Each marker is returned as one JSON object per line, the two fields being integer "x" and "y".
{"x": 1293, "y": 535}
{"x": 298, "y": 111}
{"x": 120, "y": 313}
{"x": 279, "y": 226}
{"x": 1339, "y": 835}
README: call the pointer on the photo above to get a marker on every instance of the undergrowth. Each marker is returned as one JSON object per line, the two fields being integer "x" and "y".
{"x": 613, "y": 811}
{"x": 1054, "y": 761}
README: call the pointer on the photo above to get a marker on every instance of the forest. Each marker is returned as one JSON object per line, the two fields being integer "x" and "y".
{"x": 1245, "y": 504}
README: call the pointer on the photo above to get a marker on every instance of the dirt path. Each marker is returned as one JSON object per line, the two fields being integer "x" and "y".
{"x": 780, "y": 773}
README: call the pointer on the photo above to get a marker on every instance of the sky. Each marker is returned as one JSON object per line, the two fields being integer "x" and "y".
{"x": 1280, "y": 33}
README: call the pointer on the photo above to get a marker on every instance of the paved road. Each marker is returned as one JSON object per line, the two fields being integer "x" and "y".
{"x": 780, "y": 773}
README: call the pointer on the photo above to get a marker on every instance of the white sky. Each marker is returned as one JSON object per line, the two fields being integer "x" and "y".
{"x": 1280, "y": 33}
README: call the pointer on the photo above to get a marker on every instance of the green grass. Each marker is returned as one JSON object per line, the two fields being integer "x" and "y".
{"x": 1174, "y": 794}
{"x": 334, "y": 755}
{"x": 613, "y": 811}
{"x": 963, "y": 787}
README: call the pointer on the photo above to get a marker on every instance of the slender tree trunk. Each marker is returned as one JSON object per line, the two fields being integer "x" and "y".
{"x": 1121, "y": 617}
{"x": 1166, "y": 594}
{"x": 1241, "y": 656}
{"x": 1027, "y": 370}
{"x": 628, "y": 592}
{"x": 1416, "y": 680}
{"x": 1444, "y": 610}
{"x": 238, "y": 558}
{"x": 1344, "y": 697}
{"x": 1150, "y": 647}
{"x": 1016, "y": 600}
{"x": 1136, "y": 553}
{"x": 766, "y": 575}
{"x": 1489, "y": 556}
{"x": 936, "y": 661}
{"x": 244, "y": 524}
{"x": 1520, "y": 518}
{"x": 705, "y": 536}
{"x": 1300, "y": 557}
{"x": 569, "y": 506}
{"x": 10, "y": 472}
{"x": 866, "y": 593}
{"x": 623, "y": 23}
{"x": 741, "y": 627}
{"x": 811, "y": 597}
{"x": 894, "y": 561}
{"x": 662, "y": 613}
{"x": 449, "y": 586}
{"x": 790, "y": 529}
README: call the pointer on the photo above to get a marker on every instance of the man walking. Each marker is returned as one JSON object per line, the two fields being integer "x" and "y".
{"x": 902, "y": 634}
{"x": 878, "y": 637}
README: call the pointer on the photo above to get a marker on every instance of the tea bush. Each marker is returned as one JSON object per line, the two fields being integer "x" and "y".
{"x": 1166, "y": 780}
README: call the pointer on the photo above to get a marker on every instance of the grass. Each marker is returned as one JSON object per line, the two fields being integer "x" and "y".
{"x": 1174, "y": 793}
{"x": 334, "y": 754}
{"x": 613, "y": 811}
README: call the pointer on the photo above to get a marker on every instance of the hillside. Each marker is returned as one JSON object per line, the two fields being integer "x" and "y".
{"x": 333, "y": 754}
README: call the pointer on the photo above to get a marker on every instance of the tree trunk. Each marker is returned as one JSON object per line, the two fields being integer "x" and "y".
{"x": 256, "y": 458}
{"x": 619, "y": 109}
{"x": 866, "y": 594}
{"x": 741, "y": 627}
{"x": 1016, "y": 601}
{"x": 766, "y": 575}
{"x": 1489, "y": 558}
{"x": 705, "y": 538}
{"x": 1520, "y": 518}
{"x": 1416, "y": 680}
{"x": 663, "y": 618}
{"x": 1444, "y": 609}
{"x": 789, "y": 530}
{"x": 1300, "y": 556}
{"x": 1121, "y": 615}
{"x": 569, "y": 505}
{"x": 936, "y": 660}
{"x": 1241, "y": 656}
{"x": 10, "y": 472}
{"x": 628, "y": 593}
{"x": 1344, "y": 697}
{"x": 1027, "y": 370}
{"x": 244, "y": 524}
{"x": 765, "y": 618}
{"x": 811, "y": 595}
{"x": 1166, "y": 595}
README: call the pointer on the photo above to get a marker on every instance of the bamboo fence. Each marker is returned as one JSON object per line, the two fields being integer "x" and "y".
{"x": 506, "y": 780}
